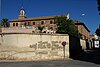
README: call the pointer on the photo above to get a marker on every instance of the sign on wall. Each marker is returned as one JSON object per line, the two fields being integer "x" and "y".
{"x": 96, "y": 43}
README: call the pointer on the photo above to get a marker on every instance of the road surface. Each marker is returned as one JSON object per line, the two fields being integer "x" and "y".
{"x": 60, "y": 63}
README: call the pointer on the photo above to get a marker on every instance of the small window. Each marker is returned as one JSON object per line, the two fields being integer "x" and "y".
{"x": 25, "y": 23}
{"x": 42, "y": 22}
{"x": 51, "y": 28}
{"x": 13, "y": 24}
{"x": 51, "y": 22}
{"x": 54, "y": 22}
{"x": 16, "y": 24}
{"x": 33, "y": 23}
{"x": 28, "y": 23}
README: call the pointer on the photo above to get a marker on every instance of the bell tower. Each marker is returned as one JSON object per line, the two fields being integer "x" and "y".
{"x": 22, "y": 13}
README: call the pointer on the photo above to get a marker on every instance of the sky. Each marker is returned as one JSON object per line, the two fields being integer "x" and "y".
{"x": 82, "y": 10}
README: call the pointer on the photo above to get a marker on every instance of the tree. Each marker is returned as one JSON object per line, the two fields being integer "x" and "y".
{"x": 61, "y": 24}
{"x": 65, "y": 26}
{"x": 4, "y": 22}
{"x": 98, "y": 31}
{"x": 40, "y": 28}
{"x": 98, "y": 2}
{"x": 0, "y": 24}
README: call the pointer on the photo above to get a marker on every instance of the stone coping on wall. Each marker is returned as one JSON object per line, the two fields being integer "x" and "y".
{"x": 37, "y": 34}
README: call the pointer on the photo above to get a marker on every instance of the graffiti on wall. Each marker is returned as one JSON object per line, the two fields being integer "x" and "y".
{"x": 54, "y": 45}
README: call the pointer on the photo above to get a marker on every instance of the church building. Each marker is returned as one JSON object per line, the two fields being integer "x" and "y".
{"x": 28, "y": 23}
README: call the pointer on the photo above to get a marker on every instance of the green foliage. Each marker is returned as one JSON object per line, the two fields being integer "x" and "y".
{"x": 98, "y": 31}
{"x": 65, "y": 26}
{"x": 40, "y": 28}
{"x": 0, "y": 23}
{"x": 61, "y": 24}
{"x": 4, "y": 22}
{"x": 98, "y": 2}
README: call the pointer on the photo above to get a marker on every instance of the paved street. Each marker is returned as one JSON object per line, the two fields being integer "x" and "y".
{"x": 69, "y": 63}
{"x": 92, "y": 56}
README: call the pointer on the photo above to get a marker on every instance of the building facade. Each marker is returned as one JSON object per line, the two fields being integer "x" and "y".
{"x": 48, "y": 22}
{"x": 82, "y": 29}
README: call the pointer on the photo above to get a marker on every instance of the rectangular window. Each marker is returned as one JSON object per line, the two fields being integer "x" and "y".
{"x": 13, "y": 24}
{"x": 33, "y": 23}
{"x": 42, "y": 22}
{"x": 17, "y": 24}
{"x": 25, "y": 24}
{"x": 51, "y": 22}
{"x": 29, "y": 23}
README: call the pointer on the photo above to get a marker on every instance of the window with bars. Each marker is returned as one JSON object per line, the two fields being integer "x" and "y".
{"x": 51, "y": 22}
{"x": 42, "y": 22}
{"x": 13, "y": 24}
{"x": 16, "y": 24}
{"x": 25, "y": 24}
{"x": 33, "y": 23}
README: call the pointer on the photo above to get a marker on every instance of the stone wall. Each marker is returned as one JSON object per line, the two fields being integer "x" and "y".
{"x": 17, "y": 30}
{"x": 83, "y": 44}
{"x": 41, "y": 46}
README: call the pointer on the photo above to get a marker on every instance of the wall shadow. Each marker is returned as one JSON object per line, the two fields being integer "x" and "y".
{"x": 92, "y": 56}
{"x": 87, "y": 44}
{"x": 76, "y": 52}
{"x": 74, "y": 46}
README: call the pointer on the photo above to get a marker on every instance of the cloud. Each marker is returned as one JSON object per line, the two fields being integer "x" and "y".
{"x": 83, "y": 14}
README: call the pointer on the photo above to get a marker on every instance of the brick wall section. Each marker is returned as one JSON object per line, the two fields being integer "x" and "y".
{"x": 84, "y": 32}
{"x": 82, "y": 29}
{"x": 46, "y": 23}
